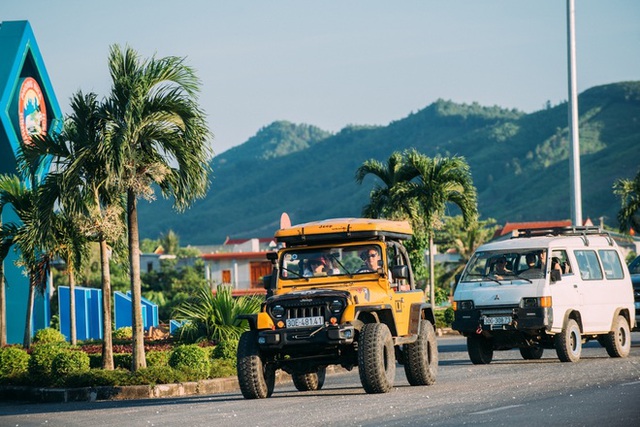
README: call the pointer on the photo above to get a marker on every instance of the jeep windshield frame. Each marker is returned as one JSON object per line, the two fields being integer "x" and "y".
{"x": 334, "y": 261}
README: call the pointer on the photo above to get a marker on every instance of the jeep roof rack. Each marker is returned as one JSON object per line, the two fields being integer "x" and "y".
{"x": 580, "y": 231}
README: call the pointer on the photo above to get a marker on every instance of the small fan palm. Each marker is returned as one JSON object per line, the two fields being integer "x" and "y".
{"x": 213, "y": 316}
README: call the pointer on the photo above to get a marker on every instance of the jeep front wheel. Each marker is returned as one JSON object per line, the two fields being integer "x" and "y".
{"x": 568, "y": 342}
{"x": 618, "y": 341}
{"x": 421, "y": 357}
{"x": 480, "y": 349}
{"x": 309, "y": 381}
{"x": 256, "y": 378}
{"x": 376, "y": 358}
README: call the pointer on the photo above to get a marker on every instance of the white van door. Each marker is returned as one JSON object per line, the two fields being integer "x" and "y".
{"x": 596, "y": 311}
{"x": 565, "y": 294}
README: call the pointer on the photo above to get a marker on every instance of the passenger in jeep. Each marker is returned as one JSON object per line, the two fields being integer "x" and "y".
{"x": 316, "y": 267}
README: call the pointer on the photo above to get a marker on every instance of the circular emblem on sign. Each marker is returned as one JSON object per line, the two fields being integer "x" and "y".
{"x": 32, "y": 112}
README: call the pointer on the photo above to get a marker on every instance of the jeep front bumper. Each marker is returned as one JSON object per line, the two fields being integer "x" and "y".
{"x": 314, "y": 337}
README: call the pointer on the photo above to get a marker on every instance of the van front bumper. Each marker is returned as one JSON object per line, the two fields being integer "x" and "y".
{"x": 503, "y": 319}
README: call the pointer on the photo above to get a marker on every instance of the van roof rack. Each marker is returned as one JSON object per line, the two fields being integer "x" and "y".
{"x": 580, "y": 231}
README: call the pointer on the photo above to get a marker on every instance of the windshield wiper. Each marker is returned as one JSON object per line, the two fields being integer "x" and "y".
{"x": 334, "y": 257}
{"x": 492, "y": 278}
{"x": 296, "y": 273}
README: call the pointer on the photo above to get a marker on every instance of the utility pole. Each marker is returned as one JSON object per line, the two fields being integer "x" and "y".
{"x": 574, "y": 159}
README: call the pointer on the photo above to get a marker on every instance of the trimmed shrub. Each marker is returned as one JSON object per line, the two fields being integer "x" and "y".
{"x": 123, "y": 360}
{"x": 69, "y": 362}
{"x": 191, "y": 359}
{"x": 49, "y": 336}
{"x": 14, "y": 361}
{"x": 40, "y": 362}
{"x": 95, "y": 360}
{"x": 157, "y": 358}
{"x": 226, "y": 350}
{"x": 124, "y": 333}
{"x": 158, "y": 375}
{"x": 98, "y": 377}
{"x": 222, "y": 368}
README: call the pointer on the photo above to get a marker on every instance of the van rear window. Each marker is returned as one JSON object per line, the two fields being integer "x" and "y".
{"x": 588, "y": 265}
{"x": 611, "y": 263}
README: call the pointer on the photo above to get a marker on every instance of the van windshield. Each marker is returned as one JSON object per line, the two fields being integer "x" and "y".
{"x": 526, "y": 264}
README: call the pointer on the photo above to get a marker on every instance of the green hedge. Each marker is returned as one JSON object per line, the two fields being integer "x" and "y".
{"x": 41, "y": 361}
{"x": 14, "y": 361}
{"x": 191, "y": 359}
{"x": 69, "y": 362}
{"x": 49, "y": 336}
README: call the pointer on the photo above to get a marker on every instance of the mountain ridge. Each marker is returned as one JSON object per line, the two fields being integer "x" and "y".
{"x": 519, "y": 164}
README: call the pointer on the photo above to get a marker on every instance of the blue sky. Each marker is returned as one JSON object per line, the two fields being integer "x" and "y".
{"x": 334, "y": 63}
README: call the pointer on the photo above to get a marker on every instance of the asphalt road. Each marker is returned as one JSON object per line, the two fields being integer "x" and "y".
{"x": 596, "y": 391}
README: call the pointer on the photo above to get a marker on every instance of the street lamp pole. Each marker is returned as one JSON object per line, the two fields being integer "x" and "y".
{"x": 574, "y": 159}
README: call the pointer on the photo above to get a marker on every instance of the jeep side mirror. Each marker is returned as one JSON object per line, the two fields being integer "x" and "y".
{"x": 400, "y": 272}
{"x": 556, "y": 276}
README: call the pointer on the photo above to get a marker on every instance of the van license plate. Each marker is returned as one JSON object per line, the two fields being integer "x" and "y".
{"x": 305, "y": 321}
{"x": 501, "y": 320}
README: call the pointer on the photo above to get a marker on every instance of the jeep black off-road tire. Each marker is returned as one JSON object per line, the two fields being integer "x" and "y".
{"x": 421, "y": 357}
{"x": 568, "y": 343}
{"x": 309, "y": 381}
{"x": 618, "y": 341}
{"x": 376, "y": 358}
{"x": 480, "y": 349}
{"x": 256, "y": 378}
{"x": 531, "y": 353}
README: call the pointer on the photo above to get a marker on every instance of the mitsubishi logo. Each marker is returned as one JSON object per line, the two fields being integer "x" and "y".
{"x": 496, "y": 298}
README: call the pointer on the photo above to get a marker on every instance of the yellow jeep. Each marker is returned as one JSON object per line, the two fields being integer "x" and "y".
{"x": 342, "y": 293}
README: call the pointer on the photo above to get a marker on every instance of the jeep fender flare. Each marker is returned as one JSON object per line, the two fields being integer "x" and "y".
{"x": 252, "y": 319}
{"x": 420, "y": 311}
{"x": 376, "y": 314}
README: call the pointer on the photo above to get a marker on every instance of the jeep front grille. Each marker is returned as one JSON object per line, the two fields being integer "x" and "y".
{"x": 305, "y": 311}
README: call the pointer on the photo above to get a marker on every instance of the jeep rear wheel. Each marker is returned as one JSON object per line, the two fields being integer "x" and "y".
{"x": 480, "y": 349}
{"x": 618, "y": 341}
{"x": 568, "y": 343}
{"x": 309, "y": 381}
{"x": 376, "y": 358}
{"x": 531, "y": 353}
{"x": 421, "y": 357}
{"x": 256, "y": 378}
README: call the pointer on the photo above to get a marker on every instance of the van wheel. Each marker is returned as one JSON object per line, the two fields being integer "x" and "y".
{"x": 531, "y": 353}
{"x": 256, "y": 377}
{"x": 618, "y": 341}
{"x": 309, "y": 381}
{"x": 568, "y": 343}
{"x": 376, "y": 358}
{"x": 480, "y": 349}
{"x": 421, "y": 357}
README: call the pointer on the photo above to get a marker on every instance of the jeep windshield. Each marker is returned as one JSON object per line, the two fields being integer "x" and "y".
{"x": 526, "y": 264}
{"x": 330, "y": 261}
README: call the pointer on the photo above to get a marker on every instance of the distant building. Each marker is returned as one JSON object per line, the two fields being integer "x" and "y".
{"x": 238, "y": 262}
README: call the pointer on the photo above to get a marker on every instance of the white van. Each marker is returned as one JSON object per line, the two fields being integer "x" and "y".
{"x": 543, "y": 289}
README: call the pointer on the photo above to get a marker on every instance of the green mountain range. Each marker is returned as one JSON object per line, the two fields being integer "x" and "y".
{"x": 519, "y": 163}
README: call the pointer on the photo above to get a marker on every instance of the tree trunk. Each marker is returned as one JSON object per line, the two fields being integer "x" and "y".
{"x": 432, "y": 277}
{"x": 139, "y": 360}
{"x": 26, "y": 342}
{"x": 72, "y": 305}
{"x": 3, "y": 308}
{"x": 107, "y": 342}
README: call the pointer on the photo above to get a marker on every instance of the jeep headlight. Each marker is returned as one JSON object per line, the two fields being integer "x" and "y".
{"x": 336, "y": 306}
{"x": 277, "y": 311}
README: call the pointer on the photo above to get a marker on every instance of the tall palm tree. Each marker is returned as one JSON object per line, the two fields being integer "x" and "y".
{"x": 629, "y": 192}
{"x": 80, "y": 187}
{"x": 155, "y": 134}
{"x": 435, "y": 183}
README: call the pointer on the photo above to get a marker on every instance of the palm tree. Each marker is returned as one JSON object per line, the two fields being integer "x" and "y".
{"x": 80, "y": 187}
{"x": 629, "y": 192}
{"x": 385, "y": 200}
{"x": 155, "y": 134}
{"x": 435, "y": 183}
{"x": 26, "y": 236}
{"x": 464, "y": 240}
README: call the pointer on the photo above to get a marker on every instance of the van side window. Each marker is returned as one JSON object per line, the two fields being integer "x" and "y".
{"x": 588, "y": 265}
{"x": 611, "y": 264}
{"x": 561, "y": 257}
